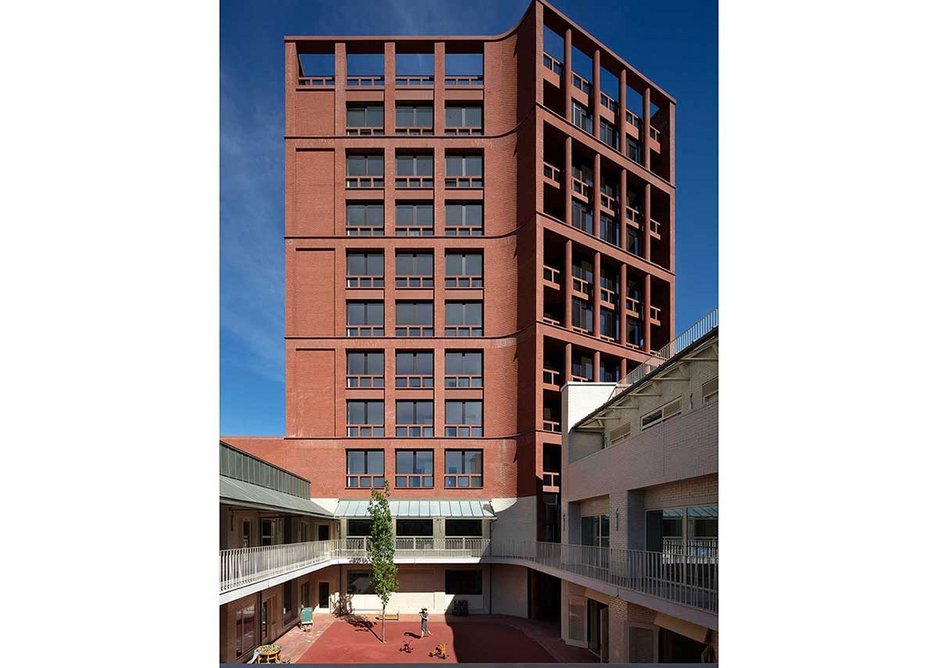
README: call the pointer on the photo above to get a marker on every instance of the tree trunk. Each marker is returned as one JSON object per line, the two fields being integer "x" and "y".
{"x": 382, "y": 622}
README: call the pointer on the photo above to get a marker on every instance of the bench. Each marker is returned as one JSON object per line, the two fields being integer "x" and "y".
{"x": 389, "y": 616}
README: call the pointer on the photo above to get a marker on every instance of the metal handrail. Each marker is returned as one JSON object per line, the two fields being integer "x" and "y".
{"x": 687, "y": 574}
{"x": 696, "y": 331}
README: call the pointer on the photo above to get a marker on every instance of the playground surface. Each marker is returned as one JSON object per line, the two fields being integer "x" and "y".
{"x": 479, "y": 639}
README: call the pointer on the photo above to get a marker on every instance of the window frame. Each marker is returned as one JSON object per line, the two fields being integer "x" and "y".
{"x": 374, "y": 479}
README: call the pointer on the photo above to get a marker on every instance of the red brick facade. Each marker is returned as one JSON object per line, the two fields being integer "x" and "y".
{"x": 530, "y": 147}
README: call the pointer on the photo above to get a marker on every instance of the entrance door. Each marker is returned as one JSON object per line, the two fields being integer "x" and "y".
{"x": 324, "y": 595}
{"x": 323, "y": 532}
{"x": 576, "y": 621}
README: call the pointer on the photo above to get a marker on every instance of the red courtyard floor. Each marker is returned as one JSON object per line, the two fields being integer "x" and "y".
{"x": 475, "y": 639}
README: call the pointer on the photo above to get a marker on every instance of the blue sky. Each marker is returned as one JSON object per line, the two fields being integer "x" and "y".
{"x": 674, "y": 42}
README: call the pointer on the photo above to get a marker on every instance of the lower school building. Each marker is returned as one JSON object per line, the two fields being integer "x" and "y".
{"x": 634, "y": 578}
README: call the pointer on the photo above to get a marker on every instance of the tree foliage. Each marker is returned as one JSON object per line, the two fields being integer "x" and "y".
{"x": 381, "y": 549}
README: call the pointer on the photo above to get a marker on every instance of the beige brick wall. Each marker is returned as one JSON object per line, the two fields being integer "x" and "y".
{"x": 690, "y": 492}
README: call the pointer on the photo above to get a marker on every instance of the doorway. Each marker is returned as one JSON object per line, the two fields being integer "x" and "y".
{"x": 324, "y": 595}
{"x": 323, "y": 532}
{"x": 597, "y": 628}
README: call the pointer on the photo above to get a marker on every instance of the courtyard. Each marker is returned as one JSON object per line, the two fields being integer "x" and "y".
{"x": 473, "y": 639}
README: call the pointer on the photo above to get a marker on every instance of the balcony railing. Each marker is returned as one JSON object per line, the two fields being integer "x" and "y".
{"x": 552, "y": 172}
{"x": 552, "y": 377}
{"x": 633, "y": 215}
{"x": 551, "y": 274}
{"x": 463, "y": 130}
{"x": 551, "y": 481}
{"x": 552, "y": 64}
{"x": 608, "y": 296}
{"x": 413, "y": 182}
{"x": 686, "y": 575}
{"x": 581, "y": 187}
{"x": 419, "y": 80}
{"x": 633, "y": 119}
{"x": 654, "y": 226}
{"x": 684, "y": 579}
{"x": 552, "y": 426}
{"x": 633, "y": 305}
{"x": 552, "y": 319}
{"x": 364, "y": 181}
{"x": 327, "y": 80}
{"x": 582, "y": 84}
{"x": 365, "y": 81}
{"x": 697, "y": 547}
{"x": 655, "y": 133}
{"x": 696, "y": 331}
{"x": 609, "y": 202}
{"x": 464, "y": 80}
{"x": 463, "y": 181}
{"x": 582, "y": 286}
{"x": 608, "y": 102}
{"x": 654, "y": 313}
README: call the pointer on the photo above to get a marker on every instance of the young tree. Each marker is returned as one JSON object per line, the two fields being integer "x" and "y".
{"x": 381, "y": 549}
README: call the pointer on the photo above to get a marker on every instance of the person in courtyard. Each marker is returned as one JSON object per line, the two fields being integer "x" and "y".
{"x": 424, "y": 623}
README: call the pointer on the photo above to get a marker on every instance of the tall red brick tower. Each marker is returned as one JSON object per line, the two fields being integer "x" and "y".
{"x": 471, "y": 221}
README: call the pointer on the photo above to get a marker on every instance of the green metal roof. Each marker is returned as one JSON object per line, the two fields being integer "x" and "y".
{"x": 241, "y": 493}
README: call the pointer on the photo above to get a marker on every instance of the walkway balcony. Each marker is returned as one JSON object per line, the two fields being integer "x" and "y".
{"x": 686, "y": 575}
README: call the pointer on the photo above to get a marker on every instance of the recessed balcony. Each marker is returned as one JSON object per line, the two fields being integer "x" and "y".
{"x": 552, "y": 277}
{"x": 552, "y": 174}
{"x": 552, "y": 378}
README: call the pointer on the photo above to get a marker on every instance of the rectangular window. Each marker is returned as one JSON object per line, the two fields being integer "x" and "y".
{"x": 582, "y": 216}
{"x": 633, "y": 150}
{"x": 633, "y": 242}
{"x": 358, "y": 528}
{"x": 463, "y": 270}
{"x": 414, "y": 369}
{"x": 268, "y": 532}
{"x": 411, "y": 527}
{"x": 364, "y": 369}
{"x": 244, "y": 630}
{"x": 364, "y": 270}
{"x": 364, "y": 171}
{"x": 582, "y": 315}
{"x": 463, "y": 419}
{"x": 289, "y": 610}
{"x": 413, "y": 319}
{"x": 608, "y": 134}
{"x": 364, "y": 220}
{"x": 464, "y": 119}
{"x": 609, "y": 372}
{"x": 661, "y": 414}
{"x": 414, "y": 119}
{"x": 463, "y": 318}
{"x": 464, "y": 582}
{"x": 364, "y": 418}
{"x": 608, "y": 324}
{"x": 711, "y": 390}
{"x": 364, "y": 319}
{"x": 463, "y": 369}
{"x": 359, "y": 582}
{"x": 413, "y": 468}
{"x": 633, "y": 333}
{"x": 463, "y": 468}
{"x": 414, "y": 171}
{"x": 414, "y": 419}
{"x": 463, "y": 219}
{"x": 364, "y": 468}
{"x": 582, "y": 368}
{"x": 463, "y": 170}
{"x": 364, "y": 119}
{"x": 468, "y": 528}
{"x": 620, "y": 433}
{"x": 609, "y": 229}
{"x": 413, "y": 269}
{"x": 413, "y": 219}
{"x": 582, "y": 118}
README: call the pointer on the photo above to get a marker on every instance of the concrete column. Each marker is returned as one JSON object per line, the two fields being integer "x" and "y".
{"x": 670, "y": 138}
{"x": 439, "y": 87}
{"x": 568, "y": 284}
{"x": 646, "y": 308}
{"x": 341, "y": 73}
{"x": 646, "y": 242}
{"x": 646, "y": 129}
{"x": 623, "y": 221}
{"x": 597, "y": 181}
{"x": 596, "y": 89}
{"x": 390, "y": 83}
{"x": 623, "y": 318}
{"x": 597, "y": 259}
{"x": 568, "y": 74}
{"x": 623, "y": 368}
{"x": 623, "y": 90}
{"x": 292, "y": 69}
{"x": 565, "y": 177}
{"x": 567, "y": 362}
{"x": 596, "y": 366}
